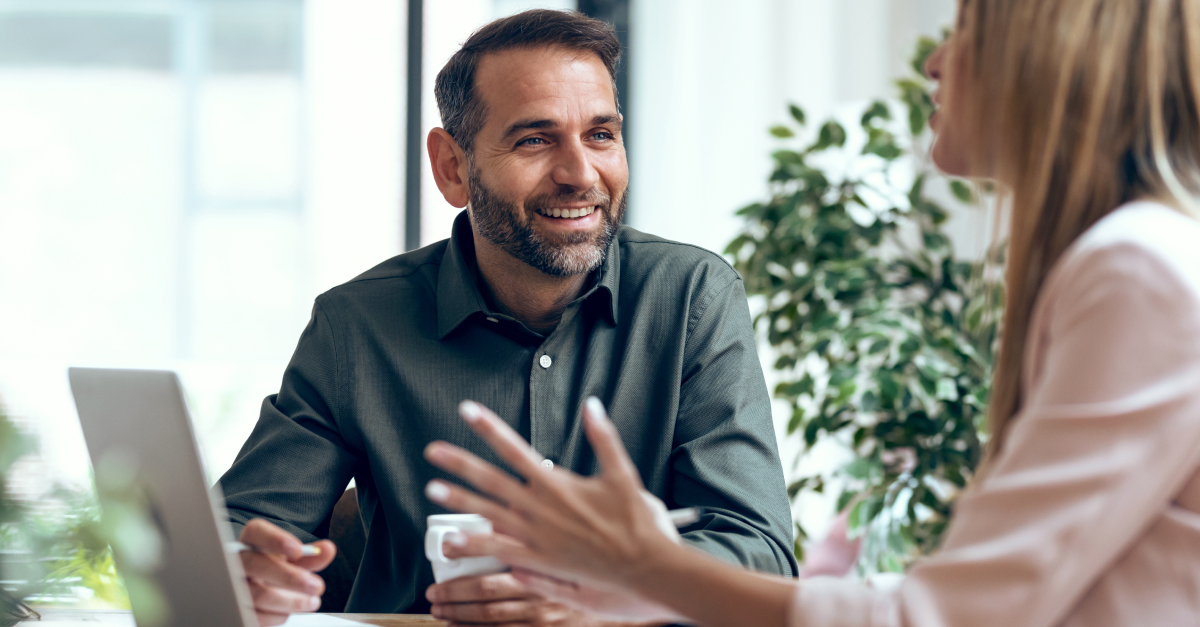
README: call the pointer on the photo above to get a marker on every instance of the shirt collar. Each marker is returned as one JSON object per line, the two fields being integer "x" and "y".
{"x": 610, "y": 277}
{"x": 458, "y": 295}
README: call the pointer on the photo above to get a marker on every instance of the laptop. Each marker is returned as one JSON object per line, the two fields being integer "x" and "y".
{"x": 139, "y": 417}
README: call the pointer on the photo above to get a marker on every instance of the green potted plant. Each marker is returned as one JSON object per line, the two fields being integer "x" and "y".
{"x": 883, "y": 339}
{"x": 50, "y": 551}
{"x": 13, "y": 563}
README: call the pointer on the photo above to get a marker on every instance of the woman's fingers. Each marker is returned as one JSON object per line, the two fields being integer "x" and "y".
{"x": 619, "y": 604}
{"x": 507, "y": 443}
{"x": 548, "y": 587}
{"x": 507, "y": 549}
{"x": 485, "y": 477}
{"x": 497, "y": 545}
{"x": 614, "y": 459}
{"x": 454, "y": 498}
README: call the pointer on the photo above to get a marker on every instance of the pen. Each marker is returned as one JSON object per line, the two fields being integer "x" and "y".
{"x": 307, "y": 550}
{"x": 684, "y": 517}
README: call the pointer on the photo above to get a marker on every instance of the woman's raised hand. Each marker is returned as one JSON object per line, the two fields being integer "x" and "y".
{"x": 597, "y": 530}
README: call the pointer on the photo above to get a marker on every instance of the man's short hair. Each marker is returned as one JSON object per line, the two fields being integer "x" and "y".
{"x": 464, "y": 112}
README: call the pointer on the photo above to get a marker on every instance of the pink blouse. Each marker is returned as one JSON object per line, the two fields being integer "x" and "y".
{"x": 1091, "y": 515}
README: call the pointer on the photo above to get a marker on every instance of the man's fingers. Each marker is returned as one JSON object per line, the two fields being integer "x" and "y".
{"x": 270, "y": 619}
{"x": 276, "y": 600}
{"x": 507, "y": 443}
{"x": 269, "y": 537}
{"x": 495, "y": 612}
{"x": 614, "y": 459}
{"x": 484, "y": 588}
{"x": 485, "y": 477}
{"x": 274, "y": 571}
{"x": 320, "y": 561}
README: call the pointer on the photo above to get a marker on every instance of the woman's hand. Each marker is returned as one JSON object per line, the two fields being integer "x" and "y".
{"x": 834, "y": 556}
{"x": 598, "y": 531}
{"x": 617, "y": 606}
{"x": 597, "y": 535}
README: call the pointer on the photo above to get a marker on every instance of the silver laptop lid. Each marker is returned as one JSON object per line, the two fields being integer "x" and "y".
{"x": 140, "y": 415}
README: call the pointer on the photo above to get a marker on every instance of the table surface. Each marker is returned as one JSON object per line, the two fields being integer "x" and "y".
{"x": 61, "y": 617}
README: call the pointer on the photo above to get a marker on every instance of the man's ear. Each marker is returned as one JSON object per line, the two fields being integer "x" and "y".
{"x": 449, "y": 166}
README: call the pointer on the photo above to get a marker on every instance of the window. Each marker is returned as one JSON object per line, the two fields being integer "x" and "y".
{"x": 178, "y": 180}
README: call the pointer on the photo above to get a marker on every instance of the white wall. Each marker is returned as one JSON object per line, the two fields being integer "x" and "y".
{"x": 355, "y": 88}
{"x": 709, "y": 77}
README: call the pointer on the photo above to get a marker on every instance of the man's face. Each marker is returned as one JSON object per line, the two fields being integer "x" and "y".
{"x": 548, "y": 175}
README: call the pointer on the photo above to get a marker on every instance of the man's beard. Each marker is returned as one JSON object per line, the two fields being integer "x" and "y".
{"x": 496, "y": 220}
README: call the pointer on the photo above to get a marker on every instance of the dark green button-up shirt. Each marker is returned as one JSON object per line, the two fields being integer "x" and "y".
{"x": 662, "y": 336}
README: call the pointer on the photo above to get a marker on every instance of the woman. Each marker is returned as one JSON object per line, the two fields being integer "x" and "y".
{"x": 1088, "y": 512}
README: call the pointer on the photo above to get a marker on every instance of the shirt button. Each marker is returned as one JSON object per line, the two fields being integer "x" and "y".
{"x": 545, "y": 361}
{"x": 547, "y": 464}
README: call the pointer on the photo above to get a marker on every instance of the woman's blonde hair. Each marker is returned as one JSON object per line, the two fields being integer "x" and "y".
{"x": 1078, "y": 106}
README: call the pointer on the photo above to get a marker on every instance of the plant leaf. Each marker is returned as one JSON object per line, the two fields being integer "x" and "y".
{"x": 796, "y": 420}
{"x": 962, "y": 192}
{"x": 925, "y": 47}
{"x": 797, "y": 114}
{"x": 877, "y": 111}
{"x": 831, "y": 134}
{"x": 782, "y": 132}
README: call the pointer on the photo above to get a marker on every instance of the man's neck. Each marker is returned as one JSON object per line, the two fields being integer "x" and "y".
{"x": 529, "y": 295}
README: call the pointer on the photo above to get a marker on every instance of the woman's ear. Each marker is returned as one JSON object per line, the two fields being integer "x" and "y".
{"x": 447, "y": 160}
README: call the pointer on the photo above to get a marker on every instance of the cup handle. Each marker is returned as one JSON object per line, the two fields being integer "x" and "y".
{"x": 433, "y": 543}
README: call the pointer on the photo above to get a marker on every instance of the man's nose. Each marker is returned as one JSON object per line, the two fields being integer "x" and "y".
{"x": 574, "y": 167}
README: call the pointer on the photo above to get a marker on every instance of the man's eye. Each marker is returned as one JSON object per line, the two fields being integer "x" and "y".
{"x": 532, "y": 141}
{"x": 603, "y": 136}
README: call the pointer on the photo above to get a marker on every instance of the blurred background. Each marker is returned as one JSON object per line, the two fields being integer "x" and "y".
{"x": 180, "y": 178}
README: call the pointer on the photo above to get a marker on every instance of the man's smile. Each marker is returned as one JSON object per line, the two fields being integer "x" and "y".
{"x": 567, "y": 212}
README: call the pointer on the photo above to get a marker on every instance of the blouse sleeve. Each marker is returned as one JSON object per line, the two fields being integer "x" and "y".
{"x": 1108, "y": 434}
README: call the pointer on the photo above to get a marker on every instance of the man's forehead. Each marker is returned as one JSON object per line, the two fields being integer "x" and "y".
{"x": 548, "y": 81}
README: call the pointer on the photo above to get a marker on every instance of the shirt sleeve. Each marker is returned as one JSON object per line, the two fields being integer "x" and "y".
{"x": 295, "y": 464}
{"x": 724, "y": 456}
{"x": 1109, "y": 433}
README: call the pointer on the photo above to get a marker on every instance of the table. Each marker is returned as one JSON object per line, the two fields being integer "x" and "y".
{"x": 62, "y": 617}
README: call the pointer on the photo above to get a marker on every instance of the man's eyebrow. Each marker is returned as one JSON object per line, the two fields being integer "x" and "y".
{"x": 525, "y": 125}
{"x": 611, "y": 119}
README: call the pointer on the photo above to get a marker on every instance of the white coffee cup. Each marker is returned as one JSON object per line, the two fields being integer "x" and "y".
{"x": 445, "y": 569}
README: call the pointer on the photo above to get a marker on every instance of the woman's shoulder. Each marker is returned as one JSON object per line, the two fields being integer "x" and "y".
{"x": 1149, "y": 229}
{"x": 1144, "y": 243}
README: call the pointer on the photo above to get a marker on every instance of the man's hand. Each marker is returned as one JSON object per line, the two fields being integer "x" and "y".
{"x": 498, "y": 600}
{"x": 281, "y": 580}
{"x": 502, "y": 600}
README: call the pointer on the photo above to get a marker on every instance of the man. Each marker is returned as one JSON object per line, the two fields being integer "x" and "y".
{"x": 538, "y": 300}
